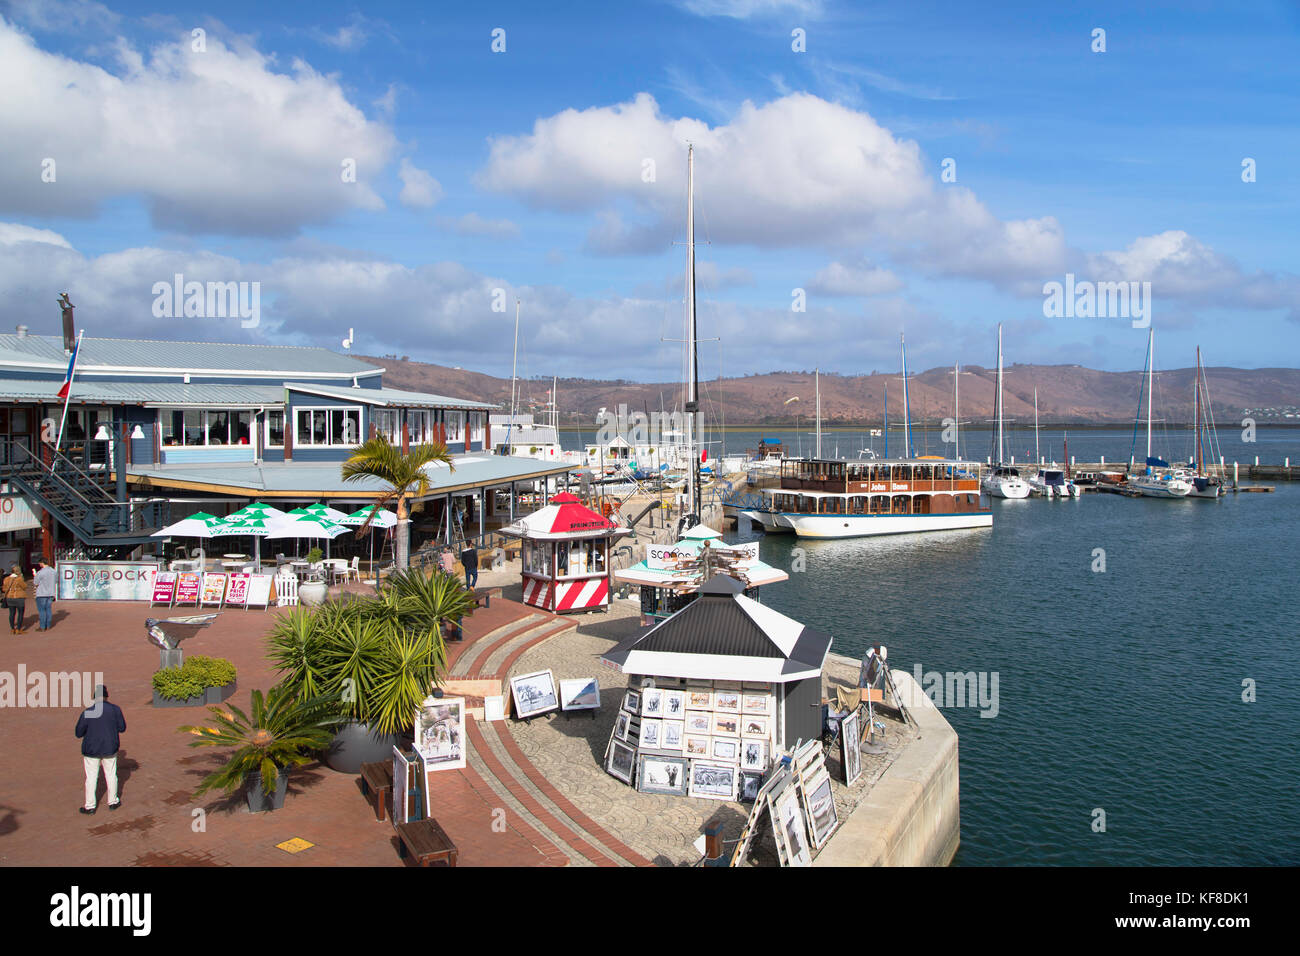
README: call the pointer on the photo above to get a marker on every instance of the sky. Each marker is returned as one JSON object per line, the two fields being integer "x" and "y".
{"x": 403, "y": 174}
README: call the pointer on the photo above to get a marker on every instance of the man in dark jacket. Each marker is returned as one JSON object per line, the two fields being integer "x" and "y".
{"x": 98, "y": 729}
{"x": 469, "y": 558}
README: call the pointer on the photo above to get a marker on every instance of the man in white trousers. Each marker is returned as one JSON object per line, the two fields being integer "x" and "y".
{"x": 98, "y": 728}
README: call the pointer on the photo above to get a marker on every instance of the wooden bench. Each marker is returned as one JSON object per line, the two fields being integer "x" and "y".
{"x": 377, "y": 785}
{"x": 427, "y": 842}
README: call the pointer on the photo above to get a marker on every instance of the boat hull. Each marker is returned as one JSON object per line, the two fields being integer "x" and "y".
{"x": 768, "y": 520}
{"x": 1159, "y": 489}
{"x": 865, "y": 526}
{"x": 1006, "y": 487}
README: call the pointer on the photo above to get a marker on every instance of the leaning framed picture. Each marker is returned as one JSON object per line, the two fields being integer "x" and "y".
{"x": 850, "y": 749}
{"x": 725, "y": 725}
{"x": 621, "y": 725}
{"x": 622, "y": 761}
{"x": 699, "y": 698}
{"x": 755, "y": 704}
{"x": 714, "y": 781}
{"x": 753, "y": 754}
{"x": 673, "y": 735}
{"x": 534, "y": 694}
{"x": 820, "y": 804}
{"x": 725, "y": 749}
{"x": 728, "y": 700}
{"x": 632, "y": 702}
{"x": 580, "y": 693}
{"x": 666, "y": 775}
{"x": 651, "y": 734}
{"x": 440, "y": 733}
{"x": 787, "y": 820}
{"x": 750, "y": 783}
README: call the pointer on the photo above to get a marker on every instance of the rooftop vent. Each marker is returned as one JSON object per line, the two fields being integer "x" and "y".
{"x": 21, "y": 331}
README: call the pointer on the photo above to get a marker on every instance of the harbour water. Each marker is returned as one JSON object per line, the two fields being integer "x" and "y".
{"x": 1118, "y": 690}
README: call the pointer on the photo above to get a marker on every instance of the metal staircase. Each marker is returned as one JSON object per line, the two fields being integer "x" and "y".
{"x": 80, "y": 502}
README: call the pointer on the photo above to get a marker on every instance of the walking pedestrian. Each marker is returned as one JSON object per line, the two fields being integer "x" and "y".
{"x": 14, "y": 590}
{"x": 99, "y": 727}
{"x": 469, "y": 558}
{"x": 44, "y": 581}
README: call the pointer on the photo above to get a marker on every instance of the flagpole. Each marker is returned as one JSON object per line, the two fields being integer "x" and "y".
{"x": 72, "y": 373}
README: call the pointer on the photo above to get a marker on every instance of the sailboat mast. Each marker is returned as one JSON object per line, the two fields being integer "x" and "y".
{"x": 907, "y": 411}
{"x": 1037, "y": 456}
{"x": 956, "y": 410}
{"x": 1151, "y": 358}
{"x": 692, "y": 399}
{"x": 1199, "y": 452}
{"x": 817, "y": 384}
{"x": 514, "y": 370}
{"x": 886, "y": 419}
{"x": 999, "y": 401}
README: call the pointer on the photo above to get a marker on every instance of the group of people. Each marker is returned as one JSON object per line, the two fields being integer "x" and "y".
{"x": 13, "y": 590}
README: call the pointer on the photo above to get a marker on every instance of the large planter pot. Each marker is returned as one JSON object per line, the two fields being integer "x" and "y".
{"x": 213, "y": 695}
{"x": 258, "y": 799}
{"x": 217, "y": 695}
{"x": 356, "y": 744}
{"x": 312, "y": 593}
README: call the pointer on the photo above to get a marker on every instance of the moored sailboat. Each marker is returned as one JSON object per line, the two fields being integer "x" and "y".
{"x": 1157, "y": 481}
{"x": 1002, "y": 481}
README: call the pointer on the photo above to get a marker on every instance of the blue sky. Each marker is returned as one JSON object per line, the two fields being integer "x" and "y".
{"x": 525, "y": 171}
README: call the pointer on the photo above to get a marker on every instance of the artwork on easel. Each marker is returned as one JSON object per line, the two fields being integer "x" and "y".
{"x": 762, "y": 803}
{"x": 850, "y": 748}
{"x": 403, "y": 806}
{"x": 788, "y": 823}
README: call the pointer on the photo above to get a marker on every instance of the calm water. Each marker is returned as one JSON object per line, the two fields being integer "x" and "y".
{"x": 1119, "y": 690}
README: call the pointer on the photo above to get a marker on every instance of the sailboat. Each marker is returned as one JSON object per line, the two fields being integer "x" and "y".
{"x": 1002, "y": 481}
{"x": 1048, "y": 482}
{"x": 1157, "y": 481}
{"x": 1204, "y": 483}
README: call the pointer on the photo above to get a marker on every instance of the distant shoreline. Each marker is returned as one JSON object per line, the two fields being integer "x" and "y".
{"x": 932, "y": 426}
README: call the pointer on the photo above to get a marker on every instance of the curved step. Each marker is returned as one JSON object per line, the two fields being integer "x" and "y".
{"x": 524, "y": 643}
{"x": 572, "y": 844}
{"x": 462, "y": 664}
{"x": 520, "y": 823}
{"x": 490, "y": 663}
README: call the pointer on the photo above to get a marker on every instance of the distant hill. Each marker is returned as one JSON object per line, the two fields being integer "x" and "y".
{"x": 1067, "y": 394}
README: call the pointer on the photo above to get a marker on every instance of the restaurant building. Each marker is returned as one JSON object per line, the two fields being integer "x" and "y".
{"x": 155, "y": 430}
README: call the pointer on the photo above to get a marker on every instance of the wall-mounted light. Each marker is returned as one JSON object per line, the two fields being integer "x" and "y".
{"x": 102, "y": 434}
{"x": 137, "y": 432}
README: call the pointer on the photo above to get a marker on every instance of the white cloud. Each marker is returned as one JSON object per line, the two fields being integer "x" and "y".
{"x": 797, "y": 171}
{"x": 419, "y": 189}
{"x": 472, "y": 224}
{"x": 854, "y": 278}
{"x": 214, "y": 141}
{"x": 12, "y": 233}
{"x": 748, "y": 9}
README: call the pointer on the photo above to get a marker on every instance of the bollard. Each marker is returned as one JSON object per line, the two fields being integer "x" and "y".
{"x": 1103, "y": 461}
{"x": 712, "y": 840}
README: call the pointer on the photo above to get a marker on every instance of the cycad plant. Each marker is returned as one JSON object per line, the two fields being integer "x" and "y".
{"x": 276, "y": 733}
{"x": 375, "y": 659}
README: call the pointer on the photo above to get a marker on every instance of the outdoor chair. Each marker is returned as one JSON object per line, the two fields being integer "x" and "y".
{"x": 354, "y": 569}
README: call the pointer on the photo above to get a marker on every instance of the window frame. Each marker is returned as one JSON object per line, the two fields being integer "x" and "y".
{"x": 329, "y": 412}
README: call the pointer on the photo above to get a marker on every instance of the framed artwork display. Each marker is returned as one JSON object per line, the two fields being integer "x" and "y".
{"x": 791, "y": 834}
{"x": 748, "y": 786}
{"x": 756, "y": 704}
{"x": 696, "y": 746}
{"x": 621, "y": 724}
{"x": 581, "y": 693}
{"x": 674, "y": 734}
{"x": 725, "y": 725}
{"x": 666, "y": 775}
{"x": 751, "y": 726}
{"x": 698, "y": 722}
{"x": 753, "y": 754}
{"x": 674, "y": 705}
{"x": 652, "y": 702}
{"x": 622, "y": 761}
{"x": 820, "y": 803}
{"x": 494, "y": 707}
{"x": 632, "y": 702}
{"x": 725, "y": 749}
{"x": 534, "y": 694}
{"x": 440, "y": 733}
{"x": 726, "y": 700}
{"x": 714, "y": 781}
{"x": 699, "y": 698}
{"x": 850, "y": 750}
{"x": 651, "y": 734}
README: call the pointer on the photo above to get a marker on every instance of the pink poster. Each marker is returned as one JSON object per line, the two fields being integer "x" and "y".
{"x": 237, "y": 589}
{"x": 187, "y": 588}
{"x": 164, "y": 587}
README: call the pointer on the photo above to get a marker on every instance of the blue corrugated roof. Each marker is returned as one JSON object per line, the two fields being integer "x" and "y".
{"x": 387, "y": 396}
{"x": 149, "y": 393}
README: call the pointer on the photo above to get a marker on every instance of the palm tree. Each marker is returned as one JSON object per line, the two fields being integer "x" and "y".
{"x": 404, "y": 475}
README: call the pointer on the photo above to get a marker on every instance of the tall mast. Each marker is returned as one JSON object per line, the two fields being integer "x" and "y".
{"x": 907, "y": 411}
{"x": 999, "y": 400}
{"x": 956, "y": 410}
{"x": 1037, "y": 457}
{"x": 693, "y": 378}
{"x": 817, "y": 380}
{"x": 514, "y": 369}
{"x": 1199, "y": 459}
{"x": 886, "y": 419}
{"x": 1151, "y": 358}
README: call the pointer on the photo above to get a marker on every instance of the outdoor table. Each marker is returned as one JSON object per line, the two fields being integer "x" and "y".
{"x": 235, "y": 557}
{"x": 232, "y": 565}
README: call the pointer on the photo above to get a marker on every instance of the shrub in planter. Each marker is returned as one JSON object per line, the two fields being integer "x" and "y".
{"x": 193, "y": 682}
{"x": 376, "y": 659}
{"x": 277, "y": 734}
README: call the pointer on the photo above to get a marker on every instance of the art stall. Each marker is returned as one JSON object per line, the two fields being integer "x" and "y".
{"x": 717, "y": 692}
{"x": 670, "y": 575}
{"x": 565, "y": 549}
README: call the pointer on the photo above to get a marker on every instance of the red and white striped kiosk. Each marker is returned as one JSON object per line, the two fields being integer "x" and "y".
{"x": 565, "y": 555}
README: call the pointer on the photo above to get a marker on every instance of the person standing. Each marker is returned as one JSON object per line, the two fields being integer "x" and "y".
{"x": 44, "y": 581}
{"x": 14, "y": 590}
{"x": 469, "y": 558}
{"x": 98, "y": 728}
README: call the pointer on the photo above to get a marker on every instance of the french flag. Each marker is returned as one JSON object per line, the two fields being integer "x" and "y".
{"x": 72, "y": 365}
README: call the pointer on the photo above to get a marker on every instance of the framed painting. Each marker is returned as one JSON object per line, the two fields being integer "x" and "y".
{"x": 494, "y": 707}
{"x": 621, "y": 725}
{"x": 699, "y": 698}
{"x": 760, "y": 704}
{"x": 751, "y": 726}
{"x": 753, "y": 754}
{"x": 725, "y": 725}
{"x": 850, "y": 749}
{"x": 696, "y": 746}
{"x": 651, "y": 734}
{"x": 820, "y": 805}
{"x": 534, "y": 694}
{"x": 674, "y": 734}
{"x": 791, "y": 834}
{"x": 666, "y": 775}
{"x": 581, "y": 693}
{"x": 440, "y": 733}
{"x": 749, "y": 783}
{"x": 622, "y": 761}
{"x": 632, "y": 702}
{"x": 698, "y": 722}
{"x": 713, "y": 781}
{"x": 726, "y": 700}
{"x": 724, "y": 749}
{"x": 652, "y": 702}
{"x": 674, "y": 706}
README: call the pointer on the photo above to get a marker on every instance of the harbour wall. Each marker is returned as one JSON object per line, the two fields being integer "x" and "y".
{"x": 912, "y": 816}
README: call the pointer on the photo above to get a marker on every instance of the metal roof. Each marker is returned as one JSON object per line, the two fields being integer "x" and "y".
{"x": 146, "y": 393}
{"x": 324, "y": 479}
{"x": 386, "y": 396}
{"x": 101, "y": 356}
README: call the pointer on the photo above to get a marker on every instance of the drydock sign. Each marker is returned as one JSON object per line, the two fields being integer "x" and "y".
{"x": 106, "y": 580}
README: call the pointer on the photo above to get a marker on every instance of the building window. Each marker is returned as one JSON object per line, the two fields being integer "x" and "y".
{"x": 197, "y": 427}
{"x": 455, "y": 426}
{"x": 327, "y": 426}
{"x": 421, "y": 426}
{"x": 275, "y": 429}
{"x": 476, "y": 428}
{"x": 388, "y": 423}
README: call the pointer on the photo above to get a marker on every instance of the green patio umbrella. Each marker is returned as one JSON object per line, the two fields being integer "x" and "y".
{"x": 382, "y": 519}
{"x": 199, "y": 525}
{"x": 255, "y": 520}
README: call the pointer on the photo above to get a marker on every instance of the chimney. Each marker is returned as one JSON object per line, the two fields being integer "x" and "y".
{"x": 21, "y": 331}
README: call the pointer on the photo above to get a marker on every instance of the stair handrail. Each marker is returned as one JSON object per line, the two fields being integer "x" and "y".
{"x": 71, "y": 465}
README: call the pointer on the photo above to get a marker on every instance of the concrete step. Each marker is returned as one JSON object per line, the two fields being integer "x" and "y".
{"x": 463, "y": 664}
{"x": 506, "y": 652}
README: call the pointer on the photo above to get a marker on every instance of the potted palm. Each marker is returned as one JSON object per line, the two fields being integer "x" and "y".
{"x": 267, "y": 743}
{"x": 376, "y": 659}
{"x": 314, "y": 590}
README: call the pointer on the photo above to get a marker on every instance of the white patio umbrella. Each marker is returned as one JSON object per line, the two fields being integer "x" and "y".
{"x": 255, "y": 520}
{"x": 382, "y": 519}
{"x": 199, "y": 525}
{"x": 307, "y": 526}
{"x": 325, "y": 511}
